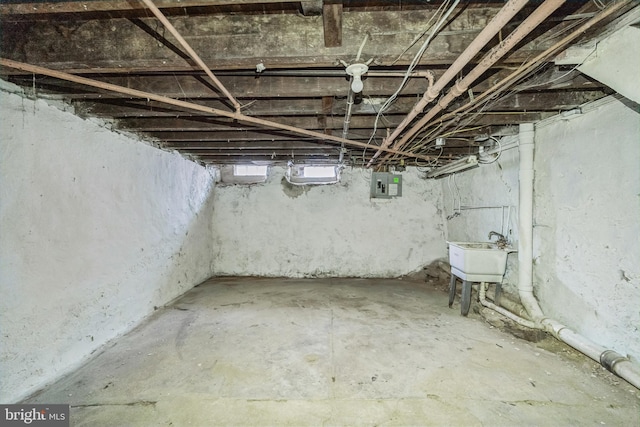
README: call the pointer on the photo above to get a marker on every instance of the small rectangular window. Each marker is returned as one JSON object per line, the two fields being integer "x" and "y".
{"x": 249, "y": 170}
{"x": 243, "y": 174}
{"x": 319, "y": 172}
{"x": 301, "y": 174}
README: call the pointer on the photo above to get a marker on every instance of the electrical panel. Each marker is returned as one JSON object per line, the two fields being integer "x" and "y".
{"x": 385, "y": 185}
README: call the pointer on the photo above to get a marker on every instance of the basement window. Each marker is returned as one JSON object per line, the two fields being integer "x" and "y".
{"x": 243, "y": 174}
{"x": 250, "y": 170}
{"x": 300, "y": 174}
{"x": 319, "y": 171}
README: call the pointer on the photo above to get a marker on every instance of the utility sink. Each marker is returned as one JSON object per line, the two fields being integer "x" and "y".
{"x": 478, "y": 261}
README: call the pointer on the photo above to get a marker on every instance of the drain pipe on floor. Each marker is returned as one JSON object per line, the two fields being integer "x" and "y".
{"x": 611, "y": 360}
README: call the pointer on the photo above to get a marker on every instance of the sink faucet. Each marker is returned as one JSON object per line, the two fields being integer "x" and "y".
{"x": 502, "y": 241}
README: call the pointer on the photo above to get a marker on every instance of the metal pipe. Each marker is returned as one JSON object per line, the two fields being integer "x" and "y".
{"x": 190, "y": 105}
{"x": 611, "y": 360}
{"x": 347, "y": 119}
{"x": 496, "y": 24}
{"x": 190, "y": 51}
{"x": 494, "y": 55}
{"x": 533, "y": 63}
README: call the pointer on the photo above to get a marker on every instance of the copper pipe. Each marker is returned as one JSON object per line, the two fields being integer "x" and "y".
{"x": 501, "y": 19}
{"x": 190, "y": 51}
{"x": 533, "y": 63}
{"x": 494, "y": 55}
{"x": 190, "y": 106}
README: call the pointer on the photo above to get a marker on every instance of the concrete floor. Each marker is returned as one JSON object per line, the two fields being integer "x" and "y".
{"x": 335, "y": 352}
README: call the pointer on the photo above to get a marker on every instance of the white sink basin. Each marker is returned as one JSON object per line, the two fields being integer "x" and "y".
{"x": 478, "y": 261}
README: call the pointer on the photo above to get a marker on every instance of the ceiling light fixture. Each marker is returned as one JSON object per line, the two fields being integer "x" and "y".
{"x": 356, "y": 71}
{"x": 453, "y": 167}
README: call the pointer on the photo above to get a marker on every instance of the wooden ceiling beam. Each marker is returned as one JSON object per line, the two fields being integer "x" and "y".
{"x": 189, "y": 105}
{"x": 264, "y": 152}
{"x": 245, "y": 145}
{"x": 48, "y": 7}
{"x": 284, "y": 41}
{"x": 254, "y": 87}
{"x": 297, "y": 112}
{"x": 156, "y": 124}
{"x": 332, "y": 23}
{"x": 195, "y": 87}
{"x": 265, "y": 135}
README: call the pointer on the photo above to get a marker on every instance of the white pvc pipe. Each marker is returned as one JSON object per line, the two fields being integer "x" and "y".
{"x": 525, "y": 224}
{"x": 613, "y": 361}
{"x": 482, "y": 290}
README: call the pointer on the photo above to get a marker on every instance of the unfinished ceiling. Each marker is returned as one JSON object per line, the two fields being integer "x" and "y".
{"x": 265, "y": 81}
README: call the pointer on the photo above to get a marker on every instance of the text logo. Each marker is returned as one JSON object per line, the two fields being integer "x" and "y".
{"x": 34, "y": 415}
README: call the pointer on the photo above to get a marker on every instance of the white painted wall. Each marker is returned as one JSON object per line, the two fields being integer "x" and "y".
{"x": 586, "y": 216}
{"x": 274, "y": 229}
{"x": 488, "y": 202}
{"x": 96, "y": 229}
{"x": 587, "y": 223}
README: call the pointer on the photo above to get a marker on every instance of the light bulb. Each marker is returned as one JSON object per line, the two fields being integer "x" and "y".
{"x": 357, "y": 84}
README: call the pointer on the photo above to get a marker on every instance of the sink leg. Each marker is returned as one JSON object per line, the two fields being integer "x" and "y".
{"x": 465, "y": 302}
{"x": 452, "y": 290}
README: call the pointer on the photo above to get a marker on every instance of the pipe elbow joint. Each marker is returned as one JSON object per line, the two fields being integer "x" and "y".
{"x": 432, "y": 94}
{"x": 458, "y": 89}
{"x": 609, "y": 359}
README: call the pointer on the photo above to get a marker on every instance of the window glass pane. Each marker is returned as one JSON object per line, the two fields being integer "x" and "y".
{"x": 319, "y": 171}
{"x": 250, "y": 170}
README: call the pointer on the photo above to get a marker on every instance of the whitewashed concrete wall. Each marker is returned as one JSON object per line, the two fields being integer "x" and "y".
{"x": 275, "y": 229}
{"x": 96, "y": 229}
{"x": 586, "y": 219}
{"x": 488, "y": 201}
{"x": 587, "y": 222}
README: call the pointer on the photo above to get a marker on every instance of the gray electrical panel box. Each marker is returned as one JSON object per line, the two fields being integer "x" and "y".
{"x": 385, "y": 185}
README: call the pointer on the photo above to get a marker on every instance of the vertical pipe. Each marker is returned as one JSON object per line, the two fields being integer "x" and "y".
{"x": 610, "y": 359}
{"x": 525, "y": 242}
{"x": 347, "y": 120}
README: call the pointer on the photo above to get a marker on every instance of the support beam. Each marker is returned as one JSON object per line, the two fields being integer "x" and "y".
{"x": 120, "y": 45}
{"x": 332, "y": 23}
{"x": 311, "y": 7}
{"x": 192, "y": 53}
{"x": 359, "y": 124}
{"x": 189, "y": 105}
{"x": 285, "y": 110}
{"x": 47, "y": 7}
{"x": 195, "y": 87}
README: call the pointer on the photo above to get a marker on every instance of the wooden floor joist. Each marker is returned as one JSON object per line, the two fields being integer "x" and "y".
{"x": 196, "y": 107}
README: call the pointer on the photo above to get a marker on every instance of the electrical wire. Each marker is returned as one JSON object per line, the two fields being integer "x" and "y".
{"x": 443, "y": 16}
{"x": 495, "y": 159}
